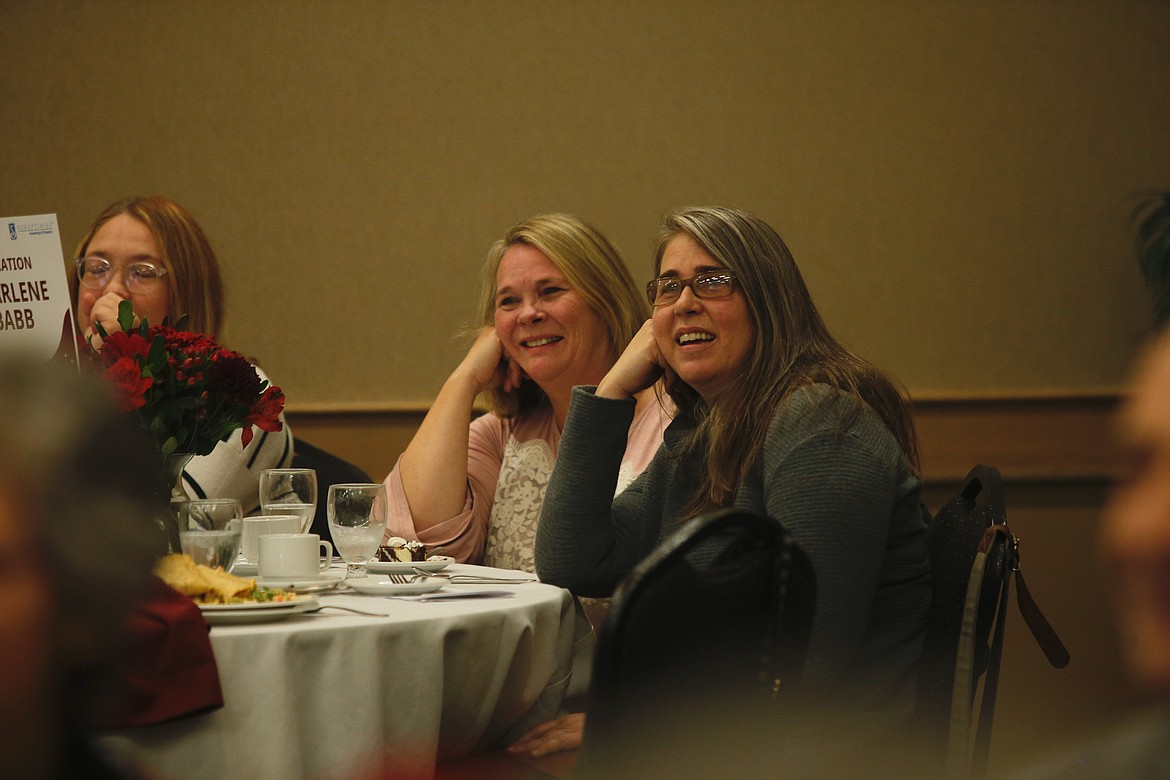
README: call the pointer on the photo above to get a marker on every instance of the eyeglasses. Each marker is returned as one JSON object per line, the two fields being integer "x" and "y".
{"x": 94, "y": 272}
{"x": 709, "y": 284}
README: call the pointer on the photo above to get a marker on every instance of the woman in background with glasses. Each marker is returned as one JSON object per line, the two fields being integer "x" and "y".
{"x": 777, "y": 417}
{"x": 152, "y": 252}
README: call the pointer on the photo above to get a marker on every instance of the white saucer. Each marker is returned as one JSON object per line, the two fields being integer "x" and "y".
{"x": 323, "y": 581}
{"x": 379, "y": 586}
{"x": 434, "y": 563}
{"x": 244, "y": 569}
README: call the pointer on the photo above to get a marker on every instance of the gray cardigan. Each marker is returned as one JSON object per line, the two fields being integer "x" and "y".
{"x": 848, "y": 497}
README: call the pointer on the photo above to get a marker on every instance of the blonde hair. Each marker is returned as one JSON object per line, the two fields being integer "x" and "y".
{"x": 792, "y": 348}
{"x": 193, "y": 278}
{"x": 595, "y": 271}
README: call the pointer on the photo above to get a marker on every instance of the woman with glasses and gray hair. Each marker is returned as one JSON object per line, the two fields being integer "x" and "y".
{"x": 557, "y": 305}
{"x": 151, "y": 252}
{"x": 777, "y": 417}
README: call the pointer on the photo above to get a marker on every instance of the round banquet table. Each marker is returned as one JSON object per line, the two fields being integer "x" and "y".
{"x": 334, "y": 695}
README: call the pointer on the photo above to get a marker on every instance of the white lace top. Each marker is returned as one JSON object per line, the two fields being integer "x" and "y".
{"x": 524, "y": 474}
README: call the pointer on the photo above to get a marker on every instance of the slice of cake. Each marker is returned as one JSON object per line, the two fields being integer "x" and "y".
{"x": 401, "y": 550}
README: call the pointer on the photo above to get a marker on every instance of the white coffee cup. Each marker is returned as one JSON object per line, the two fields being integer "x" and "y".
{"x": 262, "y": 525}
{"x": 292, "y": 556}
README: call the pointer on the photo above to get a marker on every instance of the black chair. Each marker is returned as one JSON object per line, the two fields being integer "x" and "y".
{"x": 331, "y": 470}
{"x": 714, "y": 622}
{"x": 973, "y": 555}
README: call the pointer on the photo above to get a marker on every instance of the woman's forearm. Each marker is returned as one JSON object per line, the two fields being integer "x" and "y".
{"x": 434, "y": 467}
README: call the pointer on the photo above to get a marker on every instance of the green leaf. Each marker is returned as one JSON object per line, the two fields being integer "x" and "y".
{"x": 157, "y": 356}
{"x": 170, "y": 445}
{"x": 126, "y": 316}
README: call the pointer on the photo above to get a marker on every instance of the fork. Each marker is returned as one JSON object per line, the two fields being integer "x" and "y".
{"x": 315, "y": 610}
{"x": 401, "y": 579}
{"x": 473, "y": 579}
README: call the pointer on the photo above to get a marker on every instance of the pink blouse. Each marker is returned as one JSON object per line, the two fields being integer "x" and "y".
{"x": 509, "y": 463}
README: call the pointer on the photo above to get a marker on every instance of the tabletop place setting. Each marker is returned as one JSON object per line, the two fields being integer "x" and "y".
{"x": 269, "y": 588}
{"x": 268, "y": 567}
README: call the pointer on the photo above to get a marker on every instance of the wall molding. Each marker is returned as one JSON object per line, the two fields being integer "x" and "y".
{"x": 1057, "y": 437}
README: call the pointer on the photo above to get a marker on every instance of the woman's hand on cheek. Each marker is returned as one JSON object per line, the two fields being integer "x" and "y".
{"x": 640, "y": 365}
{"x": 485, "y": 363}
{"x": 105, "y": 312}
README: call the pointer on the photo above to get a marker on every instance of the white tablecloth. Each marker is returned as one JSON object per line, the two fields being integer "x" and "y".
{"x": 332, "y": 695}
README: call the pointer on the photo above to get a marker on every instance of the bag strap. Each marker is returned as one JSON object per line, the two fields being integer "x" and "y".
{"x": 1042, "y": 630}
{"x": 982, "y": 746}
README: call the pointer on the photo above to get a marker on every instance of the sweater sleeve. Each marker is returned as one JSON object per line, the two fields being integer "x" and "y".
{"x": 587, "y": 540}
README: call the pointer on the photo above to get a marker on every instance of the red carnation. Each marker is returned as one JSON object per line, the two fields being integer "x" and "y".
{"x": 265, "y": 414}
{"x": 130, "y": 385}
{"x": 122, "y": 344}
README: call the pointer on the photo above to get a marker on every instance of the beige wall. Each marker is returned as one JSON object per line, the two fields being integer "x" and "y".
{"x": 953, "y": 178}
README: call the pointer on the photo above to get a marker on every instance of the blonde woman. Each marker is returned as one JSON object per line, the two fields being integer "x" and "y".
{"x": 557, "y": 306}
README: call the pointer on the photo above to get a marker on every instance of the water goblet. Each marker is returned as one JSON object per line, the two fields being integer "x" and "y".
{"x": 357, "y": 522}
{"x": 209, "y": 530}
{"x": 289, "y": 492}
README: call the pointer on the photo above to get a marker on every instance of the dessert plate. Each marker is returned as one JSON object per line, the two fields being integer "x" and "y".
{"x": 376, "y": 586}
{"x": 256, "y": 612}
{"x": 434, "y": 563}
{"x": 323, "y": 581}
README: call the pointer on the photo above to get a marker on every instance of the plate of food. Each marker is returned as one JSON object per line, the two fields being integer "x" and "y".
{"x": 226, "y": 598}
{"x": 379, "y": 586}
{"x": 401, "y": 555}
{"x": 256, "y": 611}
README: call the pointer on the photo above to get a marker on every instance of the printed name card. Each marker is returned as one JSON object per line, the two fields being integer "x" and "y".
{"x": 35, "y": 312}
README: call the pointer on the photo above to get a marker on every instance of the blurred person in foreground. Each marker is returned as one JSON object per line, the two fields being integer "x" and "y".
{"x": 151, "y": 251}
{"x": 1136, "y": 544}
{"x": 78, "y": 539}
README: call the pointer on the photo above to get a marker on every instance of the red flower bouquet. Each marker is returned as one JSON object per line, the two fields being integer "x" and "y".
{"x": 189, "y": 392}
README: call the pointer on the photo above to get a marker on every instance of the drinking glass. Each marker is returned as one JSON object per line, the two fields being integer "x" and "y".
{"x": 357, "y": 521}
{"x": 209, "y": 530}
{"x": 289, "y": 492}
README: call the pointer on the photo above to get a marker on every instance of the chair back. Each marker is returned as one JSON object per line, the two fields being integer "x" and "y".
{"x": 718, "y": 613}
{"x": 331, "y": 470}
{"x": 973, "y": 555}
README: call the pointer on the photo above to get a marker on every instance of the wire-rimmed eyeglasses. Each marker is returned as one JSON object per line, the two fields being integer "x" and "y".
{"x": 94, "y": 272}
{"x": 708, "y": 284}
